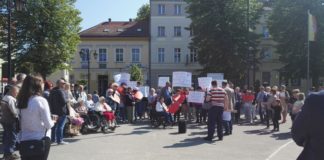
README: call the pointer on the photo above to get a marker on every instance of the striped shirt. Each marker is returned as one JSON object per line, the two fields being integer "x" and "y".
{"x": 217, "y": 96}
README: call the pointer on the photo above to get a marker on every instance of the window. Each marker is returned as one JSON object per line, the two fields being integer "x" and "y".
{"x": 102, "y": 55}
{"x": 102, "y": 65}
{"x": 177, "y": 9}
{"x": 177, "y": 55}
{"x": 161, "y": 31}
{"x": 119, "y": 55}
{"x": 161, "y": 9}
{"x": 193, "y": 56}
{"x": 86, "y": 51}
{"x": 177, "y": 31}
{"x": 161, "y": 55}
{"x": 135, "y": 55}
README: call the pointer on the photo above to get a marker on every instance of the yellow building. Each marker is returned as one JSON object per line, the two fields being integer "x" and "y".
{"x": 112, "y": 47}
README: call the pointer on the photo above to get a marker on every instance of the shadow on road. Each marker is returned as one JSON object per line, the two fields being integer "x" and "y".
{"x": 189, "y": 142}
{"x": 276, "y": 135}
{"x": 133, "y": 133}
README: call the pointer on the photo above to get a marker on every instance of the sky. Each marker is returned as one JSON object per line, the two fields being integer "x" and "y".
{"x": 94, "y": 12}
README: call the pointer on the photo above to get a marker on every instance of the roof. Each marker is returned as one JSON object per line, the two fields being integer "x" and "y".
{"x": 111, "y": 29}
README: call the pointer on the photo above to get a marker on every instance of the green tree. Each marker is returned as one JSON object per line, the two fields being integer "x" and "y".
{"x": 220, "y": 34}
{"x": 288, "y": 26}
{"x": 136, "y": 73}
{"x": 143, "y": 13}
{"x": 47, "y": 35}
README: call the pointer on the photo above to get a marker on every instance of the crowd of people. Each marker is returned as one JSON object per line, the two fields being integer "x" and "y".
{"x": 37, "y": 110}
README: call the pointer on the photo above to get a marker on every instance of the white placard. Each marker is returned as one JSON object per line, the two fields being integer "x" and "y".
{"x": 181, "y": 79}
{"x": 132, "y": 84}
{"x": 162, "y": 81}
{"x": 205, "y": 82}
{"x": 122, "y": 78}
{"x": 196, "y": 97}
{"x": 216, "y": 76}
{"x": 145, "y": 90}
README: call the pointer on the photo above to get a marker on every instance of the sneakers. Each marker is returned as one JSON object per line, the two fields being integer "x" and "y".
{"x": 11, "y": 157}
{"x": 63, "y": 143}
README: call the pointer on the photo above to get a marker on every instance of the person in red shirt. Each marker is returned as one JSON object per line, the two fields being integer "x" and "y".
{"x": 248, "y": 107}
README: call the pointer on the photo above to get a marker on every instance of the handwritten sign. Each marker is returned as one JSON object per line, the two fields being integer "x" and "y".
{"x": 216, "y": 76}
{"x": 122, "y": 78}
{"x": 196, "y": 97}
{"x": 132, "y": 84}
{"x": 145, "y": 90}
{"x": 162, "y": 81}
{"x": 205, "y": 82}
{"x": 181, "y": 79}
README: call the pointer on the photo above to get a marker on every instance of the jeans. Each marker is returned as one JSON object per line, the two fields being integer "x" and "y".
{"x": 40, "y": 157}
{"x": 9, "y": 138}
{"x": 130, "y": 113}
{"x": 268, "y": 117}
{"x": 227, "y": 126}
{"x": 58, "y": 129}
{"x": 215, "y": 116}
{"x": 261, "y": 112}
{"x": 249, "y": 111}
{"x": 238, "y": 113}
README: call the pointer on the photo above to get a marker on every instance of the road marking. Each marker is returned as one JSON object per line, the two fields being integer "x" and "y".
{"x": 279, "y": 149}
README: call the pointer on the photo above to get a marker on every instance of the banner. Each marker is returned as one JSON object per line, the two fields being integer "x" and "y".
{"x": 162, "y": 81}
{"x": 205, "y": 82}
{"x": 181, "y": 79}
{"x": 216, "y": 76}
{"x": 196, "y": 97}
{"x": 122, "y": 78}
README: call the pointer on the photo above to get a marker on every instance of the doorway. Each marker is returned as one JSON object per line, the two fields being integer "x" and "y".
{"x": 102, "y": 84}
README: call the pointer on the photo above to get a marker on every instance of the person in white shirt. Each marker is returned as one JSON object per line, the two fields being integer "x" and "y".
{"x": 162, "y": 110}
{"x": 35, "y": 116}
{"x": 89, "y": 102}
{"x": 297, "y": 107}
{"x": 9, "y": 122}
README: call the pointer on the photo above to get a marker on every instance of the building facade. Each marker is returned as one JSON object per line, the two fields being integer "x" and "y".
{"x": 111, "y": 48}
{"x": 170, "y": 38}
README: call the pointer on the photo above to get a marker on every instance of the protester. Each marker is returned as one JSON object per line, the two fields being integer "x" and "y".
{"x": 162, "y": 109}
{"x": 81, "y": 93}
{"x": 267, "y": 101}
{"x": 20, "y": 79}
{"x": 130, "y": 104}
{"x": 9, "y": 123}
{"x": 277, "y": 108}
{"x": 218, "y": 99}
{"x": 238, "y": 104}
{"x": 227, "y": 115}
{"x": 111, "y": 100}
{"x": 47, "y": 89}
{"x": 200, "y": 115}
{"x": 95, "y": 97}
{"x": 284, "y": 100}
{"x": 308, "y": 131}
{"x": 247, "y": 99}
{"x": 297, "y": 107}
{"x": 58, "y": 101}
{"x": 89, "y": 102}
{"x": 152, "y": 100}
{"x": 107, "y": 111}
{"x": 259, "y": 100}
{"x": 166, "y": 93}
{"x": 292, "y": 101}
{"x": 139, "y": 108}
{"x": 35, "y": 116}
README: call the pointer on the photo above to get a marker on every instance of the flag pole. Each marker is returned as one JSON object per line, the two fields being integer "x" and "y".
{"x": 308, "y": 53}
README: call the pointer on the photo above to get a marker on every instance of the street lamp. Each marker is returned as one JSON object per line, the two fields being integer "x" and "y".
{"x": 18, "y": 5}
{"x": 86, "y": 55}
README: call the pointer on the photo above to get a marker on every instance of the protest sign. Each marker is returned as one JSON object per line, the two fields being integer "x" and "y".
{"x": 181, "y": 79}
{"x": 205, "y": 82}
{"x": 122, "y": 78}
{"x": 196, "y": 97}
{"x": 132, "y": 84}
{"x": 145, "y": 90}
{"x": 216, "y": 76}
{"x": 162, "y": 81}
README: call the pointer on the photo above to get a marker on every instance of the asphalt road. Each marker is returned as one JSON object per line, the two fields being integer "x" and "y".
{"x": 142, "y": 142}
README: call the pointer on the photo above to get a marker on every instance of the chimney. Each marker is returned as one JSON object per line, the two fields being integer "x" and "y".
{"x": 109, "y": 20}
{"x": 130, "y": 20}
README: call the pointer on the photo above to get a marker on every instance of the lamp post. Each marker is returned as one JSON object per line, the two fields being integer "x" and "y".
{"x": 19, "y": 5}
{"x": 88, "y": 58}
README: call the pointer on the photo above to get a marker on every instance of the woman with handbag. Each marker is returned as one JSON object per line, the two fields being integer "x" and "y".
{"x": 35, "y": 120}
